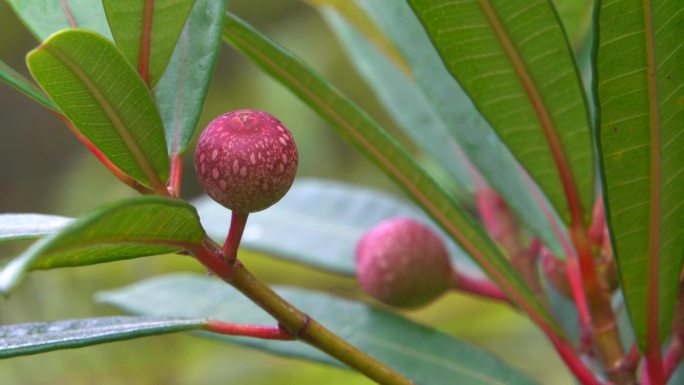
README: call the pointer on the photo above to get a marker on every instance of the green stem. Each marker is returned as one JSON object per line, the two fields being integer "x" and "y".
{"x": 297, "y": 323}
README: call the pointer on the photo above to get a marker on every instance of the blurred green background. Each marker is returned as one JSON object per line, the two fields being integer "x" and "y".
{"x": 45, "y": 169}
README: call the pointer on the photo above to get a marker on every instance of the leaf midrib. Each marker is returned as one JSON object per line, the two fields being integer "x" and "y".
{"x": 138, "y": 154}
{"x": 541, "y": 110}
{"x": 653, "y": 327}
{"x": 145, "y": 42}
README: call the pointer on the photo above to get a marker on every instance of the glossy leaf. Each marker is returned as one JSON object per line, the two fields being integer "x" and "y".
{"x": 40, "y": 337}
{"x": 146, "y": 31}
{"x": 135, "y": 227}
{"x": 403, "y": 100}
{"x": 331, "y": 218}
{"x": 16, "y": 227}
{"x": 15, "y": 80}
{"x": 422, "y": 354}
{"x": 105, "y": 99}
{"x": 640, "y": 88}
{"x": 475, "y": 136}
{"x": 45, "y": 17}
{"x": 513, "y": 59}
{"x": 182, "y": 89}
{"x": 357, "y": 127}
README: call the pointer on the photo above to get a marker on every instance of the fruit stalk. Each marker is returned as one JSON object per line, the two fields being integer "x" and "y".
{"x": 482, "y": 287}
{"x": 237, "y": 227}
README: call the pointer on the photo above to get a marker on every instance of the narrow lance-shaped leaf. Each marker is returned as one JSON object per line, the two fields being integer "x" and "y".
{"x": 423, "y": 354}
{"x": 512, "y": 58}
{"x": 146, "y": 31}
{"x": 40, "y": 337}
{"x": 371, "y": 139}
{"x": 136, "y": 227}
{"x": 23, "y": 85}
{"x": 45, "y": 17}
{"x": 15, "y": 227}
{"x": 182, "y": 89}
{"x": 101, "y": 94}
{"x": 332, "y": 218}
{"x": 473, "y": 133}
{"x": 403, "y": 100}
{"x": 640, "y": 87}
{"x": 576, "y": 16}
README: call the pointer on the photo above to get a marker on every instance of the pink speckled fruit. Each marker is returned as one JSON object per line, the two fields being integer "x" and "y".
{"x": 402, "y": 263}
{"x": 246, "y": 160}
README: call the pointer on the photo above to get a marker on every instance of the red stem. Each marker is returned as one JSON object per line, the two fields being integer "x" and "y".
{"x": 673, "y": 356}
{"x": 583, "y": 375}
{"x": 565, "y": 351}
{"x": 256, "y": 331}
{"x": 482, "y": 287}
{"x": 572, "y": 270}
{"x": 598, "y": 222}
{"x": 654, "y": 366}
{"x": 145, "y": 41}
{"x": 237, "y": 227}
{"x": 632, "y": 358}
{"x": 176, "y": 177}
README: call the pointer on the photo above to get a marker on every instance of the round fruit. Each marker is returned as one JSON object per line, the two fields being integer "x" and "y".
{"x": 403, "y": 263}
{"x": 246, "y": 160}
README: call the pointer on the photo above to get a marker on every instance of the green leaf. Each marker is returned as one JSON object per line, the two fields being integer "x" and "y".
{"x": 15, "y": 80}
{"x": 45, "y": 17}
{"x": 331, "y": 218}
{"x": 15, "y": 227}
{"x": 475, "y": 136}
{"x": 136, "y": 227}
{"x": 513, "y": 59}
{"x": 402, "y": 99}
{"x": 40, "y": 337}
{"x": 576, "y": 16}
{"x": 640, "y": 87}
{"x": 182, "y": 89}
{"x": 105, "y": 99}
{"x": 425, "y": 355}
{"x": 357, "y": 127}
{"x": 146, "y": 31}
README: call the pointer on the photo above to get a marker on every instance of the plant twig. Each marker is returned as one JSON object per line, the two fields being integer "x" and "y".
{"x": 297, "y": 324}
